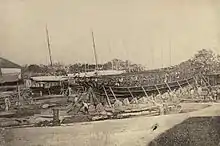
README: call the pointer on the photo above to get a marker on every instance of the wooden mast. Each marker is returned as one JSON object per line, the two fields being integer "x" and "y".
{"x": 127, "y": 55}
{"x": 94, "y": 49}
{"x": 170, "y": 52}
{"x": 48, "y": 45}
{"x": 110, "y": 53}
{"x": 162, "y": 57}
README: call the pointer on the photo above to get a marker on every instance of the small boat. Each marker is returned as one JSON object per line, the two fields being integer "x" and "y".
{"x": 7, "y": 114}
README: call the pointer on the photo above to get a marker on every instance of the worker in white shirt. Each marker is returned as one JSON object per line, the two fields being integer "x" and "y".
{"x": 166, "y": 78}
{"x": 200, "y": 91}
{"x": 7, "y": 104}
{"x": 218, "y": 93}
{"x": 117, "y": 84}
{"x": 69, "y": 92}
{"x": 85, "y": 107}
{"x": 192, "y": 92}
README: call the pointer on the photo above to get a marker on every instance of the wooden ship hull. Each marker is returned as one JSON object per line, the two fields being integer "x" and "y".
{"x": 130, "y": 92}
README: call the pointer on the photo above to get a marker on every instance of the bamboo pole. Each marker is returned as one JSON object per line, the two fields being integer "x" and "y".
{"x": 113, "y": 93}
{"x": 94, "y": 49}
{"x": 157, "y": 89}
{"x": 130, "y": 93}
{"x": 206, "y": 80}
{"x": 179, "y": 85}
{"x": 195, "y": 82}
{"x": 168, "y": 87}
{"x": 188, "y": 83}
{"x": 144, "y": 91}
{"x": 170, "y": 52}
{"x": 106, "y": 94}
{"x": 48, "y": 45}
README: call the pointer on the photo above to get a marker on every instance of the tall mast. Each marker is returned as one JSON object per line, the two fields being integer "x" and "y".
{"x": 170, "y": 52}
{"x": 110, "y": 53}
{"x": 85, "y": 66}
{"x": 152, "y": 57}
{"x": 162, "y": 56}
{"x": 94, "y": 49}
{"x": 48, "y": 45}
{"x": 127, "y": 55}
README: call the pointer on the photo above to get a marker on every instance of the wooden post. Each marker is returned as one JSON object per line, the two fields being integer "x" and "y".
{"x": 56, "y": 115}
{"x": 106, "y": 94}
{"x": 113, "y": 93}
{"x": 20, "y": 100}
{"x": 157, "y": 89}
{"x": 144, "y": 91}
{"x": 130, "y": 93}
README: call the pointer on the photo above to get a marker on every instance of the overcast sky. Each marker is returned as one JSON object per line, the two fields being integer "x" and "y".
{"x": 142, "y": 31}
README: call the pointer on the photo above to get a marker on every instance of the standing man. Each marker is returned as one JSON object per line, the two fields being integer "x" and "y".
{"x": 69, "y": 92}
{"x": 7, "y": 103}
{"x": 218, "y": 93}
{"x": 192, "y": 92}
{"x": 166, "y": 78}
{"x": 200, "y": 90}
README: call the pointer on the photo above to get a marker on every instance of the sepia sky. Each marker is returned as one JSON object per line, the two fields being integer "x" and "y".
{"x": 142, "y": 31}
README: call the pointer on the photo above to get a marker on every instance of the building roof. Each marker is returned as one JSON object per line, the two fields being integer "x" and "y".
{"x": 49, "y": 78}
{"x": 99, "y": 73}
{"x": 4, "y": 63}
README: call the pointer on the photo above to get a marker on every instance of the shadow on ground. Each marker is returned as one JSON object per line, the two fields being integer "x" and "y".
{"x": 195, "y": 131}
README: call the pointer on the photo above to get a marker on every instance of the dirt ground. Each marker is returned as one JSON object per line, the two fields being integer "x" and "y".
{"x": 136, "y": 131}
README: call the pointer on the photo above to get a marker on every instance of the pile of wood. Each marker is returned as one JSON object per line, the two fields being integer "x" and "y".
{"x": 126, "y": 112}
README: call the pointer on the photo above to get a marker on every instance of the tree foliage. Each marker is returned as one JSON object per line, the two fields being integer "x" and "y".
{"x": 34, "y": 68}
{"x": 206, "y": 61}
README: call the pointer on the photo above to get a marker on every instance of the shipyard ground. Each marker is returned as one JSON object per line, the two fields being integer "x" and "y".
{"x": 200, "y": 127}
